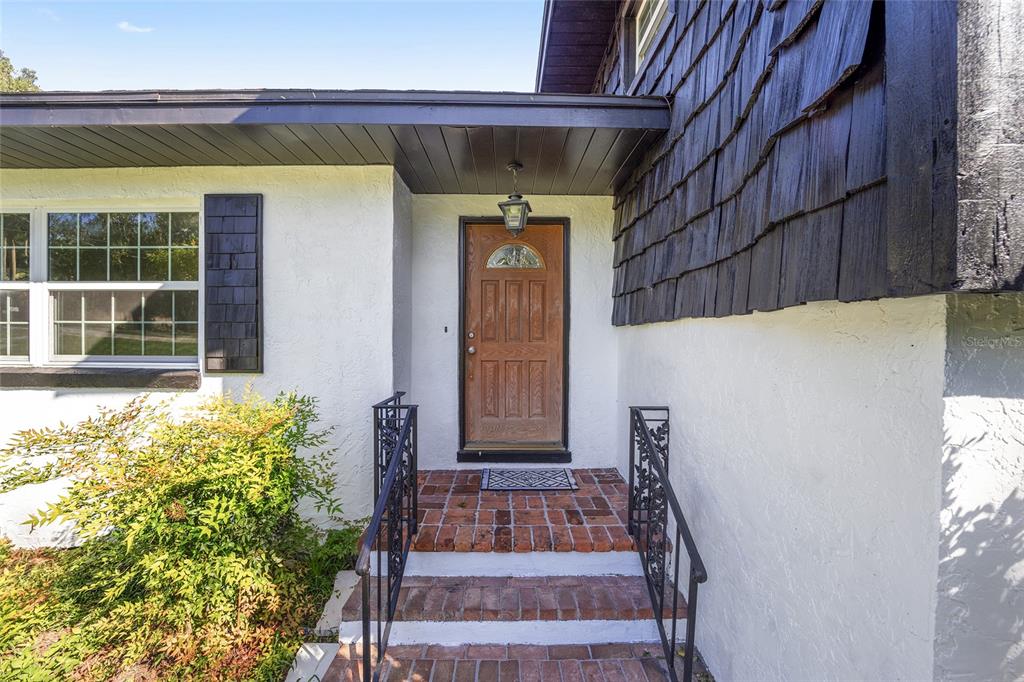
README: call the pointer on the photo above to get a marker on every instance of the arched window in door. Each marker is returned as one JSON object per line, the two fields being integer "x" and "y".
{"x": 516, "y": 256}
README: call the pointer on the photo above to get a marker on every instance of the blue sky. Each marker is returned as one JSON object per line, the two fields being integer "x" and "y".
{"x": 418, "y": 44}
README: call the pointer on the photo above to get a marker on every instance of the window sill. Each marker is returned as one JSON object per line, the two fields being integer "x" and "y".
{"x": 99, "y": 377}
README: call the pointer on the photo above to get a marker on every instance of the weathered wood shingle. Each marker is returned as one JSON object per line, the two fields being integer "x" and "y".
{"x": 233, "y": 226}
{"x": 778, "y": 121}
{"x": 823, "y": 149}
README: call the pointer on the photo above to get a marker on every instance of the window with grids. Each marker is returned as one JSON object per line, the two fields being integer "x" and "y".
{"x": 123, "y": 285}
{"x": 14, "y": 293}
{"x": 648, "y": 20}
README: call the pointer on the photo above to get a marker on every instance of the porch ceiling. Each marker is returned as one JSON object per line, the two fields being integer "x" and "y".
{"x": 440, "y": 142}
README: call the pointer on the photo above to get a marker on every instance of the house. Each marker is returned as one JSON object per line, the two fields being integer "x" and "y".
{"x": 796, "y": 223}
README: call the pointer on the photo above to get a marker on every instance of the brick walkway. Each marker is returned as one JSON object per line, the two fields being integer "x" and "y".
{"x": 559, "y": 598}
{"x": 456, "y": 516}
{"x": 515, "y": 663}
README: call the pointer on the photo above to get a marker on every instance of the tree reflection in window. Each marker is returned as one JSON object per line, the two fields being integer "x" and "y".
{"x": 519, "y": 256}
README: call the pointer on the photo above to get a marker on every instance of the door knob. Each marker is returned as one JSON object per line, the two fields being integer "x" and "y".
{"x": 471, "y": 350}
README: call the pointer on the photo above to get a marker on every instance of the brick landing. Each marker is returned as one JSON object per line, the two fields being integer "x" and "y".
{"x": 514, "y": 663}
{"x": 561, "y": 598}
{"x": 456, "y": 516}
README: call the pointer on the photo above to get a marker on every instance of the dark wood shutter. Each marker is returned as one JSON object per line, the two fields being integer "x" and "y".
{"x": 234, "y": 279}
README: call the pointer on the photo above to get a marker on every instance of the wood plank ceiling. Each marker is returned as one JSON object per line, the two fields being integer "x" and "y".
{"x": 574, "y": 40}
{"x": 440, "y": 143}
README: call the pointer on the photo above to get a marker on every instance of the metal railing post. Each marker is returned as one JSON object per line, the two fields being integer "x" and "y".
{"x": 650, "y": 491}
{"x": 376, "y": 453}
{"x": 691, "y": 628}
{"x": 367, "y": 668}
{"x": 414, "y": 415}
{"x": 395, "y": 471}
{"x": 632, "y": 474}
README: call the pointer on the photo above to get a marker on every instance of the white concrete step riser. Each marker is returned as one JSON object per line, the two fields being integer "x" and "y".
{"x": 520, "y": 565}
{"x": 513, "y": 632}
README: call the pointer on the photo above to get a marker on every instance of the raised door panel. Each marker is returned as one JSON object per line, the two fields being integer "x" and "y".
{"x": 514, "y": 346}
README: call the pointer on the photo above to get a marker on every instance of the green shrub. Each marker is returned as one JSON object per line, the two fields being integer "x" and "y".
{"x": 195, "y": 561}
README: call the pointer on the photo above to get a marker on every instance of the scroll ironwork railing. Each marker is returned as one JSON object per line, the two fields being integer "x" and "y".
{"x": 654, "y": 516}
{"x": 392, "y": 527}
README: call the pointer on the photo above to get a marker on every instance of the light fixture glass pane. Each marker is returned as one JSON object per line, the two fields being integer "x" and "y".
{"x": 519, "y": 256}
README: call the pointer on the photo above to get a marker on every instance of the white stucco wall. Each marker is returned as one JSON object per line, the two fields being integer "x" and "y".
{"x": 979, "y": 620}
{"x": 806, "y": 454}
{"x": 327, "y": 286}
{"x": 592, "y": 340}
{"x": 402, "y": 286}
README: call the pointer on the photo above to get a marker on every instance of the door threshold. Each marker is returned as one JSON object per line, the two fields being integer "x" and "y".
{"x": 513, "y": 456}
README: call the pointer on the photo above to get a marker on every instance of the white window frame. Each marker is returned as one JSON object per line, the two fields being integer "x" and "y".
{"x": 41, "y": 314}
{"x": 636, "y": 47}
{"x": 645, "y": 39}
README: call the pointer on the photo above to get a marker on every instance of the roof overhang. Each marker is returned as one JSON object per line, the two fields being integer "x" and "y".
{"x": 440, "y": 142}
{"x": 574, "y": 38}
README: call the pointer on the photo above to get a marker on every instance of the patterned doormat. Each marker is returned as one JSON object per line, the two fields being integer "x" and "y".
{"x": 528, "y": 479}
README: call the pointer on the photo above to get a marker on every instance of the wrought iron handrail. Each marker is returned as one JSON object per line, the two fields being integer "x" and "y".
{"x": 395, "y": 504}
{"x": 395, "y": 399}
{"x": 651, "y": 497}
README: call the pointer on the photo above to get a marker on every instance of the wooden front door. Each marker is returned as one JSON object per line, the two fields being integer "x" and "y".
{"x": 513, "y": 345}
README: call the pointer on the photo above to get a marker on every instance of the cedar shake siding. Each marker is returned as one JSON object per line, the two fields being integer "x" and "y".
{"x": 812, "y": 156}
{"x": 775, "y": 160}
{"x": 233, "y": 225}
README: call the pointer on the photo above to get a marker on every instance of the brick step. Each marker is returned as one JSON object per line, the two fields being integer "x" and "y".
{"x": 557, "y": 598}
{"x": 487, "y": 537}
{"x": 527, "y": 564}
{"x": 456, "y": 516}
{"x": 509, "y": 663}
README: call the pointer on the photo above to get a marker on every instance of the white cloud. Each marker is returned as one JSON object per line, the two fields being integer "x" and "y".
{"x": 129, "y": 27}
{"x": 48, "y": 13}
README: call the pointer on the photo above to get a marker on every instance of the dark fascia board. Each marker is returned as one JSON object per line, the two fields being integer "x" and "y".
{"x": 353, "y": 107}
{"x": 545, "y": 30}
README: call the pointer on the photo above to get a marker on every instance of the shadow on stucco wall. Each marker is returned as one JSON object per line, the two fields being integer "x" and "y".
{"x": 980, "y": 628}
{"x": 979, "y": 633}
